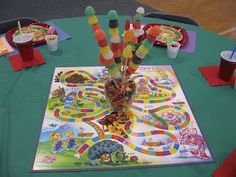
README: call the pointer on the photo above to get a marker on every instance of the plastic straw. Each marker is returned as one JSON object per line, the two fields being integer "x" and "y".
{"x": 19, "y": 26}
{"x": 232, "y": 54}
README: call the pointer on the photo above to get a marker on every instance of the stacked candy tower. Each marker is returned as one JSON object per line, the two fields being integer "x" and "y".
{"x": 121, "y": 57}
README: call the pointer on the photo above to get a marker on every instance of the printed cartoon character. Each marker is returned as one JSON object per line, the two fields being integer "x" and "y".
{"x": 143, "y": 89}
{"x": 173, "y": 118}
{"x": 200, "y": 144}
{"x": 57, "y": 146}
{"x": 190, "y": 137}
{"x": 71, "y": 141}
{"x": 109, "y": 120}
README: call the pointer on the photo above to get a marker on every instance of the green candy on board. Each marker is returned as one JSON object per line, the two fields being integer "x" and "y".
{"x": 89, "y": 11}
{"x": 112, "y": 14}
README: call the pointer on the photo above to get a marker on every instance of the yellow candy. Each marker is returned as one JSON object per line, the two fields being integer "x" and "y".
{"x": 127, "y": 52}
{"x": 143, "y": 50}
{"x": 128, "y": 36}
{"x": 92, "y": 20}
{"x": 115, "y": 69}
{"x": 133, "y": 65}
{"x": 114, "y": 31}
{"x": 104, "y": 50}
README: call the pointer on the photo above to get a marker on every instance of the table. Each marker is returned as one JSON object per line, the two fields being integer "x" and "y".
{"x": 23, "y": 98}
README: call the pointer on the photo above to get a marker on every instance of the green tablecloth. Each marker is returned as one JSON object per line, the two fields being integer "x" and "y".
{"x": 23, "y": 97}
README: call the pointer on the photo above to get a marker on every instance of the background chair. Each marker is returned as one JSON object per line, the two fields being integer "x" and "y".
{"x": 9, "y": 24}
{"x": 170, "y": 17}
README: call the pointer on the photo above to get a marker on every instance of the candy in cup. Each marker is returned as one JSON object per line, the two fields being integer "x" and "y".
{"x": 120, "y": 94}
{"x": 24, "y": 42}
{"x": 173, "y": 49}
{"x": 52, "y": 42}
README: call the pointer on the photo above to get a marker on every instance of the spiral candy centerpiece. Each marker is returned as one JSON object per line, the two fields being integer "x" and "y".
{"x": 117, "y": 56}
{"x": 121, "y": 57}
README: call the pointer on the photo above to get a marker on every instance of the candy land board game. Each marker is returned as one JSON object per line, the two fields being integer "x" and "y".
{"x": 79, "y": 132}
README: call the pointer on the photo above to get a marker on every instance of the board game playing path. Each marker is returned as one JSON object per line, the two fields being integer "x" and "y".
{"x": 80, "y": 132}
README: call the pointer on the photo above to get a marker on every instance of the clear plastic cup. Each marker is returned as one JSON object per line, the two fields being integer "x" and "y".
{"x": 52, "y": 42}
{"x": 24, "y": 43}
{"x": 173, "y": 49}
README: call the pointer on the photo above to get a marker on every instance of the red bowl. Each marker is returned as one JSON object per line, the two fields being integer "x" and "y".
{"x": 9, "y": 34}
{"x": 159, "y": 43}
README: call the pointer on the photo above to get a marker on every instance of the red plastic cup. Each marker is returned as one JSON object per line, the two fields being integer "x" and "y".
{"x": 24, "y": 43}
{"x": 227, "y": 65}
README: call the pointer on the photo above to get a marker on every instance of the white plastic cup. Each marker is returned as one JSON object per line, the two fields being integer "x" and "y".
{"x": 52, "y": 42}
{"x": 173, "y": 49}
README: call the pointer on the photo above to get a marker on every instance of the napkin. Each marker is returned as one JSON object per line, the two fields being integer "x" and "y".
{"x": 211, "y": 75}
{"x": 228, "y": 168}
{"x": 191, "y": 43}
{"x": 18, "y": 64}
{"x": 61, "y": 33}
{"x": 5, "y": 47}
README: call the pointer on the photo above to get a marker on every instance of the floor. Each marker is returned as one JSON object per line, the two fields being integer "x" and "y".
{"x": 214, "y": 15}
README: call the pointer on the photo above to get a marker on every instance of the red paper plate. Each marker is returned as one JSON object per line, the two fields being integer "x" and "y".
{"x": 182, "y": 31}
{"x": 37, "y": 27}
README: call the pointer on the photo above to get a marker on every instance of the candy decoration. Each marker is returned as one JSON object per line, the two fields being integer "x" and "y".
{"x": 95, "y": 27}
{"x": 140, "y": 10}
{"x": 136, "y": 25}
{"x": 106, "y": 56}
{"x": 136, "y": 60}
{"x": 105, "y": 50}
{"x": 138, "y": 17}
{"x": 89, "y": 11}
{"x": 118, "y": 60}
{"x": 127, "y": 25}
{"x": 124, "y": 55}
{"x": 113, "y": 23}
{"x": 114, "y": 31}
{"x": 148, "y": 44}
{"x": 128, "y": 36}
{"x": 115, "y": 39}
{"x": 105, "y": 62}
{"x": 103, "y": 43}
{"x": 112, "y": 14}
{"x": 99, "y": 35}
{"x": 92, "y": 20}
{"x": 127, "y": 52}
{"x": 116, "y": 46}
{"x": 143, "y": 49}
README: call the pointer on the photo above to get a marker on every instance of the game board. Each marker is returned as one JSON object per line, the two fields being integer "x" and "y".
{"x": 77, "y": 134}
